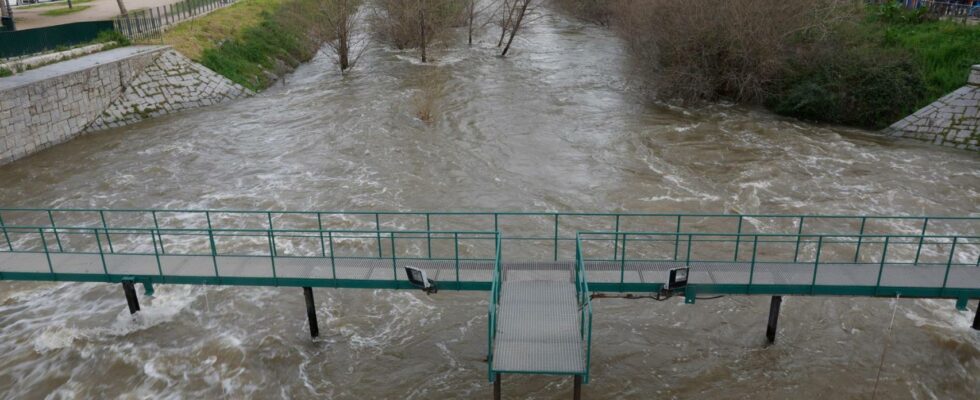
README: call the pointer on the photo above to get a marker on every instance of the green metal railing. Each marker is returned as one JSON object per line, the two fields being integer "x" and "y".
{"x": 535, "y": 235}
{"x": 948, "y": 253}
{"x": 585, "y": 308}
{"x": 332, "y": 247}
{"x": 492, "y": 311}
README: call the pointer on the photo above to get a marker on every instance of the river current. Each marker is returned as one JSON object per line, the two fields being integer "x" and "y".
{"x": 555, "y": 126}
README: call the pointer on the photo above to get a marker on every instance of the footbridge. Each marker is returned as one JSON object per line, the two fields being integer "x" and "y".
{"x": 541, "y": 268}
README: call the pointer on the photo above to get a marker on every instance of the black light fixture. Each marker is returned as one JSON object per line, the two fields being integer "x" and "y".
{"x": 419, "y": 279}
{"x": 677, "y": 279}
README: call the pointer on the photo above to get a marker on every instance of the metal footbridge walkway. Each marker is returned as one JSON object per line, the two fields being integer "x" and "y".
{"x": 539, "y": 267}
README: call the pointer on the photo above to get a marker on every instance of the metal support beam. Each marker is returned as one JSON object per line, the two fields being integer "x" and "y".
{"x": 577, "y": 391}
{"x": 496, "y": 386}
{"x": 131, "y": 299}
{"x": 311, "y": 311}
{"x": 976, "y": 319}
{"x": 774, "y": 305}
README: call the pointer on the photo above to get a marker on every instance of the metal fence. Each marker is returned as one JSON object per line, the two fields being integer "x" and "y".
{"x": 952, "y": 9}
{"x": 31, "y": 41}
{"x": 149, "y": 22}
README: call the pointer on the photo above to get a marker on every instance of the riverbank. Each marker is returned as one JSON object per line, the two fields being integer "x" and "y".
{"x": 252, "y": 42}
{"x": 828, "y": 61}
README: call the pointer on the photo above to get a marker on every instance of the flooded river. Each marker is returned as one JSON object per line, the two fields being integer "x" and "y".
{"x": 557, "y": 125}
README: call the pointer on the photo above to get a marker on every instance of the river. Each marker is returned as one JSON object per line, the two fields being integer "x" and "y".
{"x": 557, "y": 125}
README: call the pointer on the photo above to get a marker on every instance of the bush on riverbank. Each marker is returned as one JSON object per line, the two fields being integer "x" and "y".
{"x": 252, "y": 42}
{"x": 827, "y": 60}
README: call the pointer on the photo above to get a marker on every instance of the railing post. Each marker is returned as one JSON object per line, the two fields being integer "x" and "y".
{"x": 616, "y": 239}
{"x": 214, "y": 252}
{"x": 98, "y": 242}
{"x": 54, "y": 228}
{"x": 755, "y": 246}
{"x": 677, "y": 237}
{"x": 131, "y": 300}
{"x": 949, "y": 262}
{"x": 319, "y": 224}
{"x": 881, "y": 266}
{"x": 44, "y": 242}
{"x": 556, "y": 236}
{"x": 106, "y": 227}
{"x": 925, "y": 226}
{"x": 456, "y": 251}
{"x": 738, "y": 241}
{"x": 428, "y": 233}
{"x": 6, "y": 236}
{"x": 622, "y": 263}
{"x": 156, "y": 253}
{"x": 857, "y": 251}
{"x": 271, "y": 228}
{"x": 816, "y": 263}
{"x": 687, "y": 258}
{"x": 799, "y": 235}
{"x": 272, "y": 254}
{"x": 333, "y": 264}
{"x": 156, "y": 224}
{"x": 394, "y": 260}
{"x": 377, "y": 230}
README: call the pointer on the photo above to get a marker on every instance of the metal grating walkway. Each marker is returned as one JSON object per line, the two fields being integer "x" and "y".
{"x": 538, "y": 328}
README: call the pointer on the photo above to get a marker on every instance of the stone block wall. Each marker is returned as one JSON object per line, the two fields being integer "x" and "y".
{"x": 55, "y": 103}
{"x": 171, "y": 83}
{"x": 952, "y": 121}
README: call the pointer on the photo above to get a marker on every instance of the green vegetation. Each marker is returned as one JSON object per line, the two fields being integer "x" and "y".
{"x": 64, "y": 11}
{"x": 891, "y": 63}
{"x": 253, "y": 41}
{"x": 111, "y": 36}
{"x": 5, "y": 72}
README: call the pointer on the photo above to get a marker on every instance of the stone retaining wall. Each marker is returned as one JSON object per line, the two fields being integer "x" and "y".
{"x": 171, "y": 83}
{"x": 55, "y": 103}
{"x": 952, "y": 121}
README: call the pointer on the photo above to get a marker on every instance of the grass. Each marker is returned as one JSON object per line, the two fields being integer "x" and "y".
{"x": 64, "y": 11}
{"x": 251, "y": 42}
{"x": 5, "y": 72}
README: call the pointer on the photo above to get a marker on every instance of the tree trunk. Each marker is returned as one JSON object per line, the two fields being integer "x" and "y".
{"x": 69, "y": 4}
{"x": 422, "y": 29}
{"x": 517, "y": 25}
{"x": 122, "y": 7}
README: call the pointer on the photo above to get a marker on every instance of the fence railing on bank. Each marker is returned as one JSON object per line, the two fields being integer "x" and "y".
{"x": 149, "y": 22}
{"x": 952, "y": 9}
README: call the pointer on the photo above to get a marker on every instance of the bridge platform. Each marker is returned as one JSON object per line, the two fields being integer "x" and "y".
{"x": 540, "y": 312}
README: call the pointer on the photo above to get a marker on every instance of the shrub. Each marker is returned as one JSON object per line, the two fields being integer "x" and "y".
{"x": 860, "y": 86}
{"x": 5, "y": 72}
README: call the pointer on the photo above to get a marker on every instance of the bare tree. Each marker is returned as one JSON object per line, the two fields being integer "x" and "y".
{"x": 518, "y": 13}
{"x": 340, "y": 31}
{"x": 415, "y": 24}
{"x": 122, "y": 7}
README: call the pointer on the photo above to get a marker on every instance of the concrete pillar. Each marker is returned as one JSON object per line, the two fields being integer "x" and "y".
{"x": 311, "y": 311}
{"x": 577, "y": 391}
{"x": 496, "y": 386}
{"x": 774, "y": 305}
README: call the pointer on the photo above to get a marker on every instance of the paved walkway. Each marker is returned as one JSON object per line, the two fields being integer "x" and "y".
{"x": 73, "y": 65}
{"x": 99, "y": 10}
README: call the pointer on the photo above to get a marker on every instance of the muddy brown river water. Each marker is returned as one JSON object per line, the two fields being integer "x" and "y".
{"x": 555, "y": 126}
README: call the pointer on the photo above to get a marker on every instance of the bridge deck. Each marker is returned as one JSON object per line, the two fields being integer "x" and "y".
{"x": 538, "y": 328}
{"x": 599, "y": 272}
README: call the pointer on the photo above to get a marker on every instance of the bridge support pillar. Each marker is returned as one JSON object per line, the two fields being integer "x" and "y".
{"x": 311, "y": 311}
{"x": 577, "y": 390}
{"x": 774, "y": 305}
{"x": 496, "y": 386}
{"x": 131, "y": 299}
{"x": 976, "y": 318}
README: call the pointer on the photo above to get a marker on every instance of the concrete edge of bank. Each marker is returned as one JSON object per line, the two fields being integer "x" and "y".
{"x": 951, "y": 121}
{"x": 56, "y": 103}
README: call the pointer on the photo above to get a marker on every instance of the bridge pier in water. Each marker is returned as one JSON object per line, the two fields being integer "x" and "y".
{"x": 774, "y": 306}
{"x": 311, "y": 311}
{"x": 976, "y": 318}
{"x": 130, "y": 290}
